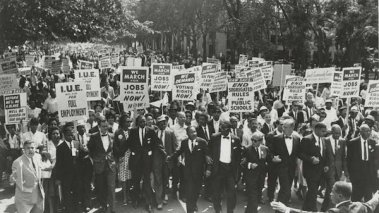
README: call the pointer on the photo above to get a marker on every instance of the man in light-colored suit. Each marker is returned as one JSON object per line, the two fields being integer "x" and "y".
{"x": 161, "y": 168}
{"x": 26, "y": 173}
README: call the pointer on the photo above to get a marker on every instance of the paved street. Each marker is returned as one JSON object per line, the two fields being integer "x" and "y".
{"x": 176, "y": 206}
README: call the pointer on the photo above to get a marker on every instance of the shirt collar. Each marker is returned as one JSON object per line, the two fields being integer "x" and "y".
{"x": 363, "y": 140}
{"x": 316, "y": 137}
{"x": 343, "y": 202}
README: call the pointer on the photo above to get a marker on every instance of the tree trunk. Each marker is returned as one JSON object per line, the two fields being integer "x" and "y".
{"x": 204, "y": 46}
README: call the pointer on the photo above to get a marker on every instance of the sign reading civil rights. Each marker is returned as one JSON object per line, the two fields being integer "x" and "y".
{"x": 351, "y": 77}
{"x": 83, "y": 65}
{"x": 294, "y": 90}
{"x": 134, "y": 88}
{"x": 91, "y": 78}
{"x": 161, "y": 77}
{"x": 72, "y": 101}
{"x": 240, "y": 95}
{"x": 372, "y": 99}
{"x": 184, "y": 86}
{"x": 319, "y": 75}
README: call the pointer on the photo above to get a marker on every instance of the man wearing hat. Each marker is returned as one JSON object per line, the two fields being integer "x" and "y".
{"x": 331, "y": 114}
{"x": 260, "y": 118}
{"x": 161, "y": 168}
{"x": 352, "y": 123}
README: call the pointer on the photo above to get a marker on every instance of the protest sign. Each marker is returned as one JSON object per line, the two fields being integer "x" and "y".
{"x": 267, "y": 72}
{"x": 12, "y": 56}
{"x": 72, "y": 101}
{"x": 83, "y": 65}
{"x": 372, "y": 98}
{"x": 184, "y": 86}
{"x": 133, "y": 62}
{"x": 8, "y": 81}
{"x": 213, "y": 61}
{"x": 220, "y": 83}
{"x": 91, "y": 79}
{"x": 252, "y": 63}
{"x": 11, "y": 91}
{"x": 336, "y": 86}
{"x": 280, "y": 73}
{"x": 265, "y": 63}
{"x": 351, "y": 77}
{"x": 15, "y": 116}
{"x": 161, "y": 79}
{"x": 207, "y": 75}
{"x": 294, "y": 90}
{"x": 15, "y": 108}
{"x": 65, "y": 65}
{"x": 8, "y": 66}
{"x": 139, "y": 49}
{"x": 178, "y": 67}
{"x": 255, "y": 75}
{"x": 319, "y": 75}
{"x": 25, "y": 71}
{"x": 56, "y": 66}
{"x": 47, "y": 61}
{"x": 242, "y": 59}
{"x": 134, "y": 88}
{"x": 115, "y": 58}
{"x": 240, "y": 95}
{"x": 14, "y": 101}
{"x": 29, "y": 59}
{"x": 105, "y": 62}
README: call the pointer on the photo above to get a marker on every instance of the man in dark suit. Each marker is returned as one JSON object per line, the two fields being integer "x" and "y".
{"x": 267, "y": 127}
{"x": 335, "y": 147}
{"x": 161, "y": 168}
{"x": 67, "y": 170}
{"x": 204, "y": 131}
{"x": 297, "y": 114}
{"x": 315, "y": 163}
{"x": 101, "y": 150}
{"x": 360, "y": 164}
{"x": 142, "y": 143}
{"x": 235, "y": 130}
{"x": 309, "y": 110}
{"x": 196, "y": 155}
{"x": 284, "y": 153}
{"x": 342, "y": 120}
{"x": 341, "y": 197}
{"x": 226, "y": 155}
{"x": 214, "y": 123}
{"x": 352, "y": 124}
{"x": 254, "y": 164}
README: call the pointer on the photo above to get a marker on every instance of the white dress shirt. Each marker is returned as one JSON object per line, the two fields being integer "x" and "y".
{"x": 161, "y": 135}
{"x": 289, "y": 144}
{"x": 363, "y": 149}
{"x": 13, "y": 142}
{"x": 226, "y": 149}
{"x": 191, "y": 144}
{"x": 216, "y": 125}
{"x": 142, "y": 133}
{"x": 334, "y": 144}
{"x": 318, "y": 143}
{"x": 105, "y": 140}
{"x": 206, "y": 130}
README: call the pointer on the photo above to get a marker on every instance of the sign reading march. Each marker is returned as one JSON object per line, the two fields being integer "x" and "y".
{"x": 161, "y": 77}
{"x": 91, "y": 78}
{"x": 134, "y": 88}
{"x": 240, "y": 95}
{"x": 72, "y": 101}
{"x": 184, "y": 87}
{"x": 372, "y": 99}
{"x": 351, "y": 78}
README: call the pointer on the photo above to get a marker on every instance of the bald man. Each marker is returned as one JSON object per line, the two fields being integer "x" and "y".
{"x": 360, "y": 164}
{"x": 336, "y": 149}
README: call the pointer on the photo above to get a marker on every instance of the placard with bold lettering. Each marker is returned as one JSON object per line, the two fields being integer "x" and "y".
{"x": 72, "y": 101}
{"x": 295, "y": 89}
{"x": 8, "y": 81}
{"x": 351, "y": 77}
{"x": 83, "y": 65}
{"x": 91, "y": 78}
{"x": 105, "y": 62}
{"x": 184, "y": 86}
{"x": 255, "y": 75}
{"x": 319, "y": 75}
{"x": 336, "y": 86}
{"x": 8, "y": 66}
{"x": 161, "y": 78}
{"x": 207, "y": 75}
{"x": 372, "y": 99}
{"x": 240, "y": 95}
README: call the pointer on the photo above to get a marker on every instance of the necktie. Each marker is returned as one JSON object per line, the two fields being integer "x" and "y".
{"x": 365, "y": 151}
{"x": 335, "y": 146}
{"x": 235, "y": 133}
{"x": 34, "y": 166}
{"x": 256, "y": 150}
{"x": 206, "y": 133}
{"x": 161, "y": 134}
{"x": 319, "y": 145}
{"x": 192, "y": 145}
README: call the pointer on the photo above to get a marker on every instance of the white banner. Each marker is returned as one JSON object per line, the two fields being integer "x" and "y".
{"x": 133, "y": 62}
{"x": 267, "y": 72}
{"x": 319, "y": 75}
{"x": 161, "y": 77}
{"x": 207, "y": 75}
{"x": 92, "y": 79}
{"x": 255, "y": 75}
{"x": 351, "y": 77}
{"x": 240, "y": 95}
{"x": 15, "y": 108}
{"x": 72, "y": 101}
{"x": 105, "y": 62}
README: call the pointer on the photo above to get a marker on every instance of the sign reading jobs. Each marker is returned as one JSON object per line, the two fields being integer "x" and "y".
{"x": 72, "y": 102}
{"x": 240, "y": 95}
{"x": 351, "y": 78}
{"x": 91, "y": 78}
{"x": 134, "y": 88}
{"x": 161, "y": 77}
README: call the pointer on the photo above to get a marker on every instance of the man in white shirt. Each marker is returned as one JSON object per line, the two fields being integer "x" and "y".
{"x": 180, "y": 127}
{"x": 51, "y": 103}
{"x": 247, "y": 135}
{"x": 331, "y": 114}
{"x": 34, "y": 135}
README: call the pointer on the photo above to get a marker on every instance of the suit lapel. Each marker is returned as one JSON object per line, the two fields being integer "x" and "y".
{"x": 29, "y": 166}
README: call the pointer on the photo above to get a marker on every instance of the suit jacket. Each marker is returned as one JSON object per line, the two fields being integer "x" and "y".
{"x": 250, "y": 155}
{"x": 266, "y": 129}
{"x": 170, "y": 144}
{"x": 195, "y": 161}
{"x": 211, "y": 127}
{"x": 299, "y": 117}
{"x": 355, "y": 163}
{"x": 66, "y": 167}
{"x": 349, "y": 207}
{"x": 101, "y": 158}
{"x": 352, "y": 132}
{"x": 26, "y": 177}
{"x": 306, "y": 112}
{"x": 94, "y": 130}
{"x": 215, "y": 150}
{"x": 141, "y": 157}
{"x": 279, "y": 147}
{"x": 308, "y": 149}
{"x": 200, "y": 133}
{"x": 338, "y": 158}
{"x": 239, "y": 133}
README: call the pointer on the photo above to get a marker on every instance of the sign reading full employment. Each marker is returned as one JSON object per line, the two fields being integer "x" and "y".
{"x": 351, "y": 78}
{"x": 91, "y": 78}
{"x": 134, "y": 88}
{"x": 184, "y": 86}
{"x": 372, "y": 99}
{"x": 208, "y": 76}
{"x": 294, "y": 90}
{"x": 319, "y": 75}
{"x": 15, "y": 108}
{"x": 72, "y": 102}
{"x": 8, "y": 66}
{"x": 83, "y": 65}
{"x": 240, "y": 95}
{"x": 336, "y": 86}
{"x": 161, "y": 77}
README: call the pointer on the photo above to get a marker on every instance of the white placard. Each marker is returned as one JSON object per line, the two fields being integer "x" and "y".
{"x": 91, "y": 78}
{"x": 72, "y": 101}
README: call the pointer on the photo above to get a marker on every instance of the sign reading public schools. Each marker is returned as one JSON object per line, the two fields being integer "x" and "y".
{"x": 72, "y": 101}
{"x": 161, "y": 77}
{"x": 295, "y": 89}
{"x": 134, "y": 88}
{"x": 351, "y": 77}
{"x": 91, "y": 78}
{"x": 240, "y": 95}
